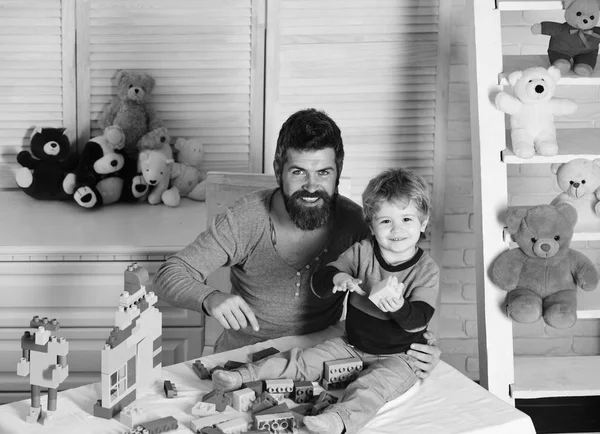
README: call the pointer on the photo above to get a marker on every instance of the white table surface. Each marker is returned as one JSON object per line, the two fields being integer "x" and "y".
{"x": 447, "y": 402}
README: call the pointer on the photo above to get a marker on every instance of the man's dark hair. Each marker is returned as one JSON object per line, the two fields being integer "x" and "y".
{"x": 308, "y": 130}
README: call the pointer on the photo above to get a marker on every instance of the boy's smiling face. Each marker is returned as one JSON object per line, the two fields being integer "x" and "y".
{"x": 397, "y": 229}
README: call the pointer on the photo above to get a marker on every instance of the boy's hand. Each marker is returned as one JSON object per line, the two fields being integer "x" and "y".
{"x": 390, "y": 304}
{"x": 345, "y": 283}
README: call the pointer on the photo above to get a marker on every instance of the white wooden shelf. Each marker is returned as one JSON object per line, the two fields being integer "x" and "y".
{"x": 528, "y": 5}
{"x": 572, "y": 143}
{"x": 34, "y": 227}
{"x": 542, "y": 377}
{"x": 518, "y": 63}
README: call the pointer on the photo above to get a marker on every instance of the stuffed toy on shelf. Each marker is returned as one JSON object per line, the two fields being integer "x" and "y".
{"x": 579, "y": 181}
{"x": 100, "y": 177}
{"x": 47, "y": 171}
{"x": 532, "y": 108}
{"x": 576, "y": 40}
{"x": 185, "y": 172}
{"x": 154, "y": 163}
{"x": 542, "y": 275}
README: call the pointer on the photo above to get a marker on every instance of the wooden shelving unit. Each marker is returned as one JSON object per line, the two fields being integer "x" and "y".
{"x": 501, "y": 372}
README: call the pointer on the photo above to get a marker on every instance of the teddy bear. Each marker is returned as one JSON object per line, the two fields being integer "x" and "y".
{"x": 542, "y": 275}
{"x": 99, "y": 178}
{"x": 130, "y": 110}
{"x": 574, "y": 40}
{"x": 532, "y": 109}
{"x": 579, "y": 180}
{"x": 185, "y": 172}
{"x": 154, "y": 163}
{"x": 47, "y": 174}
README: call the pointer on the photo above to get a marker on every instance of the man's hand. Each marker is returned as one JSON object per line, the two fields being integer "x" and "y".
{"x": 230, "y": 310}
{"x": 343, "y": 282}
{"x": 390, "y": 304}
{"x": 428, "y": 356}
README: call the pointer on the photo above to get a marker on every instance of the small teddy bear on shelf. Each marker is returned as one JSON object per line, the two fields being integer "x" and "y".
{"x": 576, "y": 39}
{"x": 532, "y": 109}
{"x": 579, "y": 181}
{"x": 47, "y": 171}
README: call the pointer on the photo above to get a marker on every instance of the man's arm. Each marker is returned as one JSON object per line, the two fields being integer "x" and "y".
{"x": 180, "y": 280}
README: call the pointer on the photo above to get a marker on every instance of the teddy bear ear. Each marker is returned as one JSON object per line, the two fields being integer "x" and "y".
{"x": 568, "y": 211}
{"x": 554, "y": 167}
{"x": 121, "y": 75}
{"x": 514, "y": 77}
{"x": 169, "y": 161}
{"x": 568, "y": 3}
{"x": 514, "y": 218}
{"x": 36, "y": 130}
{"x": 555, "y": 72}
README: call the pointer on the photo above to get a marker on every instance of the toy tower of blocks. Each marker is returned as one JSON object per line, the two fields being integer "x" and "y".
{"x": 45, "y": 362}
{"x": 132, "y": 356}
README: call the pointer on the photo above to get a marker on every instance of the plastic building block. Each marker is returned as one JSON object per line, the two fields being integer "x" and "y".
{"x": 209, "y": 430}
{"x": 211, "y": 421}
{"x": 131, "y": 359}
{"x": 334, "y": 385}
{"x": 318, "y": 408}
{"x": 132, "y": 415}
{"x": 201, "y": 370}
{"x": 303, "y": 391}
{"x": 342, "y": 369}
{"x": 257, "y": 386}
{"x": 263, "y": 353}
{"x": 44, "y": 361}
{"x": 326, "y": 397}
{"x": 280, "y": 408}
{"x": 52, "y": 324}
{"x": 235, "y": 426}
{"x": 303, "y": 409}
{"x": 170, "y": 389}
{"x": 201, "y": 409}
{"x": 389, "y": 287}
{"x": 232, "y": 364}
{"x": 216, "y": 397}
{"x": 242, "y": 399}
{"x": 276, "y": 423}
{"x": 264, "y": 401}
{"x": 161, "y": 425}
{"x": 283, "y": 386}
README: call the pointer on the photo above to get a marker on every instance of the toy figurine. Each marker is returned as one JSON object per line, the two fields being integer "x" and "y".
{"x": 45, "y": 361}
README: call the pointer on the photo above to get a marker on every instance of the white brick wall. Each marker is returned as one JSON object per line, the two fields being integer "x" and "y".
{"x": 528, "y": 185}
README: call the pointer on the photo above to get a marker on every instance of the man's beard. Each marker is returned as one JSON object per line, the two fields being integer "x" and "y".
{"x": 305, "y": 217}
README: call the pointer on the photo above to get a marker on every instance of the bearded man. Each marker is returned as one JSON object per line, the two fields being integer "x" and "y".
{"x": 273, "y": 241}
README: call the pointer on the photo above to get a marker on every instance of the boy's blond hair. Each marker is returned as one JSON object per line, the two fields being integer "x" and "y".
{"x": 396, "y": 185}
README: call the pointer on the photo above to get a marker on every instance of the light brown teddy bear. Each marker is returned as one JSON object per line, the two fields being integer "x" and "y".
{"x": 130, "y": 110}
{"x": 543, "y": 274}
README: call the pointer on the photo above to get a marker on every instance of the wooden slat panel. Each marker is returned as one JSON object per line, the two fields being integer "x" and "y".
{"x": 371, "y": 65}
{"x": 36, "y": 70}
{"x": 202, "y": 55}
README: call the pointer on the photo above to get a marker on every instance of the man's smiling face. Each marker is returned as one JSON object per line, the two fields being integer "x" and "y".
{"x": 308, "y": 184}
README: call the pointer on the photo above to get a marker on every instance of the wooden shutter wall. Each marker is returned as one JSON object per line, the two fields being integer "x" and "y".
{"x": 37, "y": 75}
{"x": 371, "y": 65}
{"x": 208, "y": 61}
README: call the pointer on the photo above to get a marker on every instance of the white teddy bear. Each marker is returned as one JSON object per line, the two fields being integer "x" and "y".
{"x": 532, "y": 109}
{"x": 579, "y": 180}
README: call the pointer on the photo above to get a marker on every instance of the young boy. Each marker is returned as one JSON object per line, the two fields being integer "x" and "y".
{"x": 396, "y": 206}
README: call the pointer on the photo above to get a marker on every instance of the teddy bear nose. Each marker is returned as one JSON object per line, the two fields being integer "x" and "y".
{"x": 585, "y": 21}
{"x": 545, "y": 247}
{"x": 576, "y": 184}
{"x": 539, "y": 88}
{"x": 152, "y": 181}
{"x": 53, "y": 145}
{"x": 114, "y": 163}
{"x": 136, "y": 90}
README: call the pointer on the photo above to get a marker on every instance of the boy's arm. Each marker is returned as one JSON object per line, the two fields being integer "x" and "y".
{"x": 418, "y": 307}
{"x": 322, "y": 280}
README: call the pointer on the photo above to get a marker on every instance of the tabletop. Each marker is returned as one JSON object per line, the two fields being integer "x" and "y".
{"x": 447, "y": 402}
